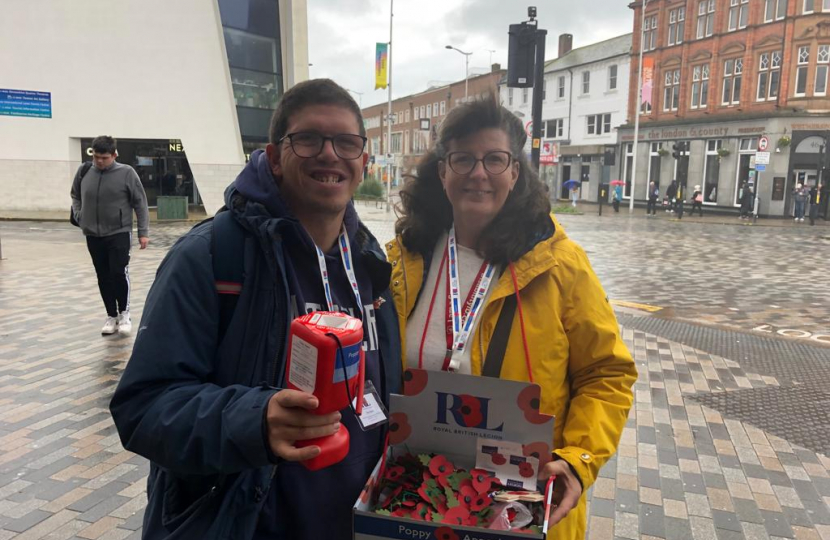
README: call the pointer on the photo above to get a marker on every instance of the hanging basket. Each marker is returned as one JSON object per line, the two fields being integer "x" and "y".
{"x": 662, "y": 152}
{"x": 784, "y": 141}
{"x": 723, "y": 152}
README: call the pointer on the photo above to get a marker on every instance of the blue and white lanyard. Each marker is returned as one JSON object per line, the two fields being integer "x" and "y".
{"x": 346, "y": 257}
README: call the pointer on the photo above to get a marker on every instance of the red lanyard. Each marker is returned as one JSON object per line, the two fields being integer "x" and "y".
{"x": 475, "y": 297}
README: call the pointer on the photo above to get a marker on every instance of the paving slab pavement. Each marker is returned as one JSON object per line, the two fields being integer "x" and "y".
{"x": 706, "y": 453}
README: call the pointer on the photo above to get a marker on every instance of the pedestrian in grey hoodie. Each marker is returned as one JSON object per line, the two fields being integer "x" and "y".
{"x": 103, "y": 202}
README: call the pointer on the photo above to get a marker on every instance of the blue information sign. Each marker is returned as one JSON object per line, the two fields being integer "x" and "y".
{"x": 759, "y": 167}
{"x": 25, "y": 103}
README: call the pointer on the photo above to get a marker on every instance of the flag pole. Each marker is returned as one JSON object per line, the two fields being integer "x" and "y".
{"x": 389, "y": 117}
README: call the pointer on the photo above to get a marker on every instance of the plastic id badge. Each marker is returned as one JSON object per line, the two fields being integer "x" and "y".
{"x": 374, "y": 413}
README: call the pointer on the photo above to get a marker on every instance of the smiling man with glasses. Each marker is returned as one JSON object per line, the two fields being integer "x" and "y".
{"x": 201, "y": 394}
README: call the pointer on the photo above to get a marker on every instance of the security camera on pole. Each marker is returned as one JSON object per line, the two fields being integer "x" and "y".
{"x": 526, "y": 69}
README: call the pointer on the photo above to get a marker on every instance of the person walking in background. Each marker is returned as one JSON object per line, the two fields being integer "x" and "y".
{"x": 103, "y": 202}
{"x": 815, "y": 198}
{"x": 653, "y": 197}
{"x": 617, "y": 197}
{"x": 747, "y": 197}
{"x": 671, "y": 194}
{"x": 697, "y": 201}
{"x": 574, "y": 195}
{"x": 801, "y": 197}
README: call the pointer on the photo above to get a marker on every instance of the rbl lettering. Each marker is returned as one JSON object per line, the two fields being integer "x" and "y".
{"x": 467, "y": 411}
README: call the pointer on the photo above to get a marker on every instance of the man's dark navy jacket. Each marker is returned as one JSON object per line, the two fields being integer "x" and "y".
{"x": 194, "y": 406}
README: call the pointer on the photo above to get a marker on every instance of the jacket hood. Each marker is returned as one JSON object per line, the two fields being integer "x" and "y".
{"x": 255, "y": 197}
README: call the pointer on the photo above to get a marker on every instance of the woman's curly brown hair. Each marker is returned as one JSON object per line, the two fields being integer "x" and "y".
{"x": 426, "y": 213}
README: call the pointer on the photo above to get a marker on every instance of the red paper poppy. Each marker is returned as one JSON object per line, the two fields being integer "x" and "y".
{"x": 498, "y": 459}
{"x": 470, "y": 411}
{"x": 525, "y": 470}
{"x": 394, "y": 473}
{"x": 539, "y": 450}
{"x": 480, "y": 502}
{"x": 440, "y": 466}
{"x": 414, "y": 381}
{"x": 399, "y": 428}
{"x": 511, "y": 515}
{"x": 421, "y": 511}
{"x": 482, "y": 481}
{"x": 364, "y": 495}
{"x": 457, "y": 516}
{"x": 466, "y": 495}
{"x": 445, "y": 533}
{"x": 529, "y": 402}
{"x": 402, "y": 512}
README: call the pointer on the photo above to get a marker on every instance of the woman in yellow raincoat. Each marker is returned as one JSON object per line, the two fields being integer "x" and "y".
{"x": 486, "y": 282}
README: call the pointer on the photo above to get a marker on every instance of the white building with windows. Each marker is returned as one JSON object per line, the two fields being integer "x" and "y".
{"x": 585, "y": 100}
{"x": 187, "y": 88}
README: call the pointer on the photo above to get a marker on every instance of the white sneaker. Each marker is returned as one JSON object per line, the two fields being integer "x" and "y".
{"x": 125, "y": 325}
{"x": 110, "y": 327}
{"x": 800, "y": 219}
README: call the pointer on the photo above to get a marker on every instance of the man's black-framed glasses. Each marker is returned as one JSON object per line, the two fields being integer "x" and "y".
{"x": 495, "y": 162}
{"x": 309, "y": 144}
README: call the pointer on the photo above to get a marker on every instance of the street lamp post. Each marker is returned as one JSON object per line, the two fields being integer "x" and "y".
{"x": 466, "y": 68}
{"x": 637, "y": 110}
{"x": 491, "y": 51}
{"x": 359, "y": 97}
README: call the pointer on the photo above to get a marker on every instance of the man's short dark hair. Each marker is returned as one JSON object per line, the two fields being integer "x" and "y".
{"x": 306, "y": 93}
{"x": 104, "y": 144}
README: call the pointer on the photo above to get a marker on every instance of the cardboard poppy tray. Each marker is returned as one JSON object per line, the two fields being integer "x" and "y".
{"x": 448, "y": 414}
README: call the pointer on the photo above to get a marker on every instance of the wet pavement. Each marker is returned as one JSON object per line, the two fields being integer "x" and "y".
{"x": 728, "y": 437}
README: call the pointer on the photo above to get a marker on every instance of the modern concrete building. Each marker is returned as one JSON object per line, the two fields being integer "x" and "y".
{"x": 585, "y": 100}
{"x": 728, "y": 74}
{"x": 187, "y": 88}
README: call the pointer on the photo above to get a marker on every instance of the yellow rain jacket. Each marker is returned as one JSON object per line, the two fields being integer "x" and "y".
{"x": 577, "y": 354}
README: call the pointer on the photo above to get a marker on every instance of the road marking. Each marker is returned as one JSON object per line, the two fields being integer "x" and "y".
{"x": 635, "y": 305}
{"x": 790, "y": 332}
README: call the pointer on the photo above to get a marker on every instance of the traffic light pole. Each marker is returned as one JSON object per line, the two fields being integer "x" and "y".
{"x": 538, "y": 87}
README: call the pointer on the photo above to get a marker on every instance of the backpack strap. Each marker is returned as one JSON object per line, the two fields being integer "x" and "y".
{"x": 501, "y": 335}
{"x": 228, "y": 254}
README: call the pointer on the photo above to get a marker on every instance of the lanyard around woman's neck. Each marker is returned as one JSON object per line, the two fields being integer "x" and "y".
{"x": 346, "y": 257}
{"x": 459, "y": 321}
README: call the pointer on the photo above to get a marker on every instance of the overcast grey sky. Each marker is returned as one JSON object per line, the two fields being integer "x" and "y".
{"x": 343, "y": 33}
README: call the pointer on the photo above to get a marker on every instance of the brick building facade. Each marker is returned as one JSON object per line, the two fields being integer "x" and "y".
{"x": 416, "y": 119}
{"x": 726, "y": 73}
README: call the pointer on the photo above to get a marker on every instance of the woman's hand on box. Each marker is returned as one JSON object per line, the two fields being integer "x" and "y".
{"x": 290, "y": 419}
{"x": 567, "y": 489}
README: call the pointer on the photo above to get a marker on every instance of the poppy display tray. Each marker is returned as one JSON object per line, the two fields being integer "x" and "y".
{"x": 446, "y": 413}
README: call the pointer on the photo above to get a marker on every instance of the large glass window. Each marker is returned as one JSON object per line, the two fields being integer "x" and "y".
{"x": 677, "y": 25}
{"x": 555, "y": 129}
{"x": 738, "y": 14}
{"x": 650, "y": 33}
{"x": 769, "y": 75}
{"x": 705, "y": 18}
{"x": 809, "y": 6}
{"x": 654, "y": 164}
{"x": 801, "y": 71}
{"x": 700, "y": 86}
{"x": 822, "y": 61}
{"x": 732, "y": 74}
{"x": 711, "y": 172}
{"x": 599, "y": 124}
{"x": 671, "y": 91}
{"x": 629, "y": 169}
{"x": 748, "y": 147}
{"x": 255, "y": 88}
{"x": 775, "y": 10}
